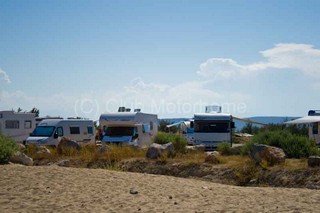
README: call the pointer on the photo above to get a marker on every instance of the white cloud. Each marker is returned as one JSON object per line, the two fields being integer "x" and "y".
{"x": 221, "y": 68}
{"x": 302, "y": 57}
{"x": 55, "y": 104}
{"x": 4, "y": 76}
{"x": 181, "y": 100}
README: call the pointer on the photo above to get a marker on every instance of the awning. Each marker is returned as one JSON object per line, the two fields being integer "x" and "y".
{"x": 305, "y": 120}
{"x": 248, "y": 121}
{"x": 175, "y": 124}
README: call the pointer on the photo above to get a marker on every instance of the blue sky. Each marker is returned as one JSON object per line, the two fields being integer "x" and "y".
{"x": 83, "y": 58}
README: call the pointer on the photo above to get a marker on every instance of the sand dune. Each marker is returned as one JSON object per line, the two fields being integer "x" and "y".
{"x": 57, "y": 189}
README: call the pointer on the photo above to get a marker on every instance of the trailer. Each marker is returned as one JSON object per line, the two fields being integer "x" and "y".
{"x": 51, "y": 131}
{"x": 17, "y": 125}
{"x": 126, "y": 127}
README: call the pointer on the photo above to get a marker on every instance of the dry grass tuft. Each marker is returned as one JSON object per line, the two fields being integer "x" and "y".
{"x": 117, "y": 153}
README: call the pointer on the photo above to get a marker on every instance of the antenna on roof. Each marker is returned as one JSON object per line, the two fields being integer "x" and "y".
{"x": 128, "y": 109}
{"x": 137, "y": 110}
{"x": 213, "y": 109}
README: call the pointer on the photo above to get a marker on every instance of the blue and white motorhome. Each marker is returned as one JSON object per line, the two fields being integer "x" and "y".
{"x": 129, "y": 128}
{"x": 211, "y": 129}
{"x": 51, "y": 131}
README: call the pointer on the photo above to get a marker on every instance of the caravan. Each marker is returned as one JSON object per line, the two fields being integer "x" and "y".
{"x": 129, "y": 127}
{"x": 50, "y": 132}
{"x": 17, "y": 125}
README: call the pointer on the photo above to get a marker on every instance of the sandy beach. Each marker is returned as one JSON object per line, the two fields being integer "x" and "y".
{"x": 58, "y": 189}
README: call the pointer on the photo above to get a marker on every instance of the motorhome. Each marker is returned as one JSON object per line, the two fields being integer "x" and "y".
{"x": 50, "y": 132}
{"x": 211, "y": 129}
{"x": 129, "y": 127}
{"x": 17, "y": 125}
{"x": 313, "y": 122}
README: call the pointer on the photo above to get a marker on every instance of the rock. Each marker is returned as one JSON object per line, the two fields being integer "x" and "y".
{"x": 314, "y": 161}
{"x": 43, "y": 150}
{"x": 156, "y": 150}
{"x": 196, "y": 148}
{"x": 67, "y": 144}
{"x": 133, "y": 191}
{"x": 236, "y": 149}
{"x": 21, "y": 147}
{"x": 153, "y": 153}
{"x": 264, "y": 153}
{"x": 64, "y": 163}
{"x": 212, "y": 157}
{"x": 103, "y": 148}
{"x": 21, "y": 158}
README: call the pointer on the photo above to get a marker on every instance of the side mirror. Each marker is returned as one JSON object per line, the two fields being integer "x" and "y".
{"x": 233, "y": 125}
{"x": 55, "y": 136}
{"x": 191, "y": 124}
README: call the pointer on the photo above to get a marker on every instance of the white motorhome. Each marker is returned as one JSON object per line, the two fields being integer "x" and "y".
{"x": 210, "y": 129}
{"x": 129, "y": 127}
{"x": 50, "y": 132}
{"x": 313, "y": 120}
{"x": 17, "y": 125}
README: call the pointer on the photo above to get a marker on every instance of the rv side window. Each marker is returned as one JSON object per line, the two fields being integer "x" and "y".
{"x": 1, "y": 115}
{"x": 90, "y": 130}
{"x": 27, "y": 124}
{"x": 145, "y": 128}
{"x": 11, "y": 124}
{"x": 74, "y": 130}
{"x": 60, "y": 131}
{"x": 151, "y": 125}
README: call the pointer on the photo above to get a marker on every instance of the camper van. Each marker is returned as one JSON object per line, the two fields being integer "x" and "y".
{"x": 126, "y": 127}
{"x": 17, "y": 125}
{"x": 50, "y": 132}
{"x": 210, "y": 129}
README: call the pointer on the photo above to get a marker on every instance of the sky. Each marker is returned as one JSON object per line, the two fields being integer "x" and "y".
{"x": 83, "y": 58}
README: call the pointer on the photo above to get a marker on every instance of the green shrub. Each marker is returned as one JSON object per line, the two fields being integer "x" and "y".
{"x": 7, "y": 147}
{"x": 163, "y": 138}
{"x": 294, "y": 146}
{"x": 246, "y": 148}
{"x": 179, "y": 142}
{"x": 224, "y": 148}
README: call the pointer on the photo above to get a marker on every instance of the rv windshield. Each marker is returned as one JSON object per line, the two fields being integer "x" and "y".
{"x": 211, "y": 126}
{"x": 120, "y": 131}
{"x": 43, "y": 131}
